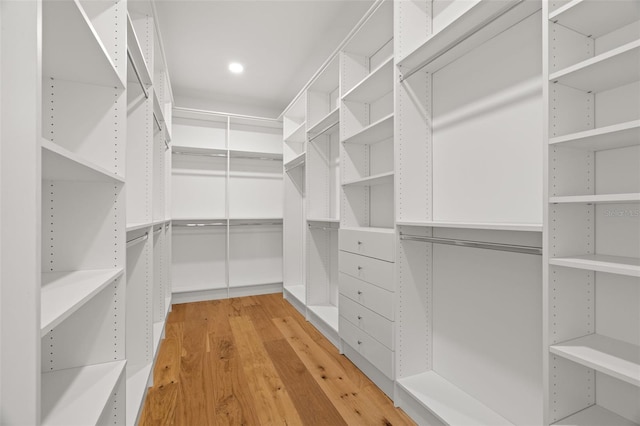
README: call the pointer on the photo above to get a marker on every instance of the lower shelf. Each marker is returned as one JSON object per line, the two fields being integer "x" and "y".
{"x": 447, "y": 402}
{"x": 628, "y": 266}
{"x": 79, "y": 395}
{"x": 327, "y": 313}
{"x": 136, "y": 390}
{"x": 595, "y": 416}
{"x": 297, "y": 291}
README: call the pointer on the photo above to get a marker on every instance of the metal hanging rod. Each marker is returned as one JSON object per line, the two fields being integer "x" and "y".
{"x": 134, "y": 241}
{"x": 461, "y": 39}
{"x": 225, "y": 115}
{"x": 166, "y": 144}
{"x": 255, "y": 223}
{"x": 255, "y": 158}
{"x": 201, "y": 154}
{"x": 474, "y": 244}
{"x": 323, "y": 131}
{"x": 324, "y": 228}
{"x": 157, "y": 122}
{"x": 157, "y": 230}
{"x": 199, "y": 225}
{"x": 295, "y": 165}
{"x": 135, "y": 70}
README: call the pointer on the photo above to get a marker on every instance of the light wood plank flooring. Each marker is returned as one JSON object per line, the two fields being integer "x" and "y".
{"x": 256, "y": 361}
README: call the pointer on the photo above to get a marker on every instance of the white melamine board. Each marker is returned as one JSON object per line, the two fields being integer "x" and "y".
{"x": 379, "y": 179}
{"x": 595, "y": 416}
{"x": 297, "y": 135}
{"x": 487, "y": 131}
{"x": 374, "y": 324}
{"x": 597, "y": 199}
{"x": 134, "y": 48}
{"x": 200, "y": 133}
{"x": 572, "y": 307}
{"x": 198, "y": 258}
{"x": 373, "y": 133}
{"x": 322, "y": 267}
{"x": 256, "y": 155}
{"x": 323, "y": 219}
{"x": 327, "y": 313}
{"x": 373, "y": 351}
{"x": 601, "y": 263}
{"x": 158, "y": 181}
{"x": 373, "y": 86}
{"x": 297, "y": 291}
{"x": 376, "y": 31}
{"x": 293, "y": 233}
{"x": 136, "y": 391}
{"x": 139, "y": 311}
{"x": 618, "y": 36}
{"x": 381, "y": 206}
{"x": 609, "y": 137}
{"x": 618, "y": 396}
{"x": 60, "y": 164}
{"x": 617, "y": 230}
{"x": 139, "y": 167}
{"x": 296, "y": 161}
{"x": 618, "y": 105}
{"x": 570, "y": 163}
{"x": 65, "y": 292}
{"x": 255, "y": 255}
{"x": 586, "y": 16}
{"x": 469, "y": 225}
{"x": 610, "y": 356}
{"x": 569, "y": 48}
{"x": 159, "y": 291}
{"x": 323, "y": 177}
{"x": 255, "y": 188}
{"x": 615, "y": 68}
{"x": 257, "y": 138}
{"x": 324, "y": 122}
{"x": 72, "y": 49}
{"x": 449, "y": 403}
{"x": 489, "y": 345}
{"x": 79, "y": 395}
{"x": 88, "y": 120}
{"x": 617, "y": 308}
{"x": 618, "y": 172}
{"x": 198, "y": 151}
{"x": 572, "y": 386}
{"x": 198, "y": 186}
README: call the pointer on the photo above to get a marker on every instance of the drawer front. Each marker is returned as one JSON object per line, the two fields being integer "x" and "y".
{"x": 368, "y": 321}
{"x": 375, "y": 271}
{"x": 370, "y": 296}
{"x": 375, "y": 352}
{"x": 368, "y": 243}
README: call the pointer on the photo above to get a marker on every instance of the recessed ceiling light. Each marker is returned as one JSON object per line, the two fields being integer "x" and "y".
{"x": 236, "y": 68}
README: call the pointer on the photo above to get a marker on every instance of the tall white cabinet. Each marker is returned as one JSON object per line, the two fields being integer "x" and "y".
{"x": 101, "y": 296}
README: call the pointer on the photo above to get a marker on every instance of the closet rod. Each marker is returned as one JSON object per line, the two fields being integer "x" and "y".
{"x": 255, "y": 223}
{"x": 200, "y": 154}
{"x": 157, "y": 231}
{"x": 474, "y": 244}
{"x": 198, "y": 225}
{"x": 224, "y": 114}
{"x": 294, "y": 166}
{"x": 256, "y": 158}
{"x": 324, "y": 228}
{"x": 461, "y": 39}
{"x": 323, "y": 131}
{"x": 157, "y": 122}
{"x": 136, "y": 240}
{"x": 135, "y": 70}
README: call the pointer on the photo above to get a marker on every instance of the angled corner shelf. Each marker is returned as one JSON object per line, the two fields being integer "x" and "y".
{"x": 79, "y": 395}
{"x": 596, "y": 199}
{"x": 253, "y": 155}
{"x": 586, "y": 16}
{"x": 373, "y": 133}
{"x": 295, "y": 162}
{"x": 72, "y": 48}
{"x": 608, "y": 137}
{"x": 594, "y": 415}
{"x": 326, "y": 124}
{"x": 379, "y": 179}
{"x": 60, "y": 164}
{"x": 297, "y": 135}
{"x": 373, "y": 86}
{"x": 606, "y": 71}
{"x": 197, "y": 151}
{"x": 613, "y": 357}
{"x": 137, "y": 57}
{"x": 478, "y": 24}
{"x": 629, "y": 266}
{"x": 136, "y": 390}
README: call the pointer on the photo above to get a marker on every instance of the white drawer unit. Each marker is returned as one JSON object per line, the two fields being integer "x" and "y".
{"x": 373, "y": 297}
{"x": 375, "y": 271}
{"x": 375, "y": 352}
{"x": 370, "y": 242}
{"x": 377, "y": 326}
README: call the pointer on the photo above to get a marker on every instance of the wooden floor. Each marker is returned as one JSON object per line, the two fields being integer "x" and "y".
{"x": 256, "y": 361}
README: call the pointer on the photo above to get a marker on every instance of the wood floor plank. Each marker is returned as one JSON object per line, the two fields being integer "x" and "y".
{"x": 160, "y": 406}
{"x": 271, "y": 399}
{"x": 167, "y": 368}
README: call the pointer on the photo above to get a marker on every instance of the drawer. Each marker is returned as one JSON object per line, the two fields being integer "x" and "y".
{"x": 375, "y": 271}
{"x": 375, "y": 352}
{"x": 373, "y": 243}
{"x": 370, "y": 296}
{"x": 366, "y": 320}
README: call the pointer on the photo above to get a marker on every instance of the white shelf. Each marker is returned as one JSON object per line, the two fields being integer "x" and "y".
{"x": 296, "y": 161}
{"x": 379, "y": 179}
{"x": 595, "y": 416}
{"x": 297, "y": 291}
{"x": 323, "y": 219}
{"x": 609, "y": 356}
{"x": 191, "y": 150}
{"x": 78, "y": 395}
{"x": 158, "y": 109}
{"x": 373, "y": 86}
{"x": 481, "y": 22}
{"x": 134, "y": 49}
{"x": 158, "y": 329}
{"x": 629, "y": 266}
{"x": 137, "y": 226}
{"x": 298, "y": 135}
{"x": 332, "y": 118}
{"x": 609, "y": 137}
{"x": 588, "y": 16}
{"x": 327, "y": 313}
{"x": 449, "y": 403}
{"x": 63, "y": 293}
{"x": 136, "y": 390}
{"x": 369, "y": 229}
{"x": 61, "y": 164}
{"x": 255, "y": 155}
{"x": 373, "y": 133}
{"x": 609, "y": 70}
{"x": 596, "y": 199}
{"x": 72, "y": 49}
{"x": 524, "y": 227}
{"x": 252, "y": 220}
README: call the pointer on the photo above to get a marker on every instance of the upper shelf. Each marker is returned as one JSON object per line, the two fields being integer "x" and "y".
{"x": 72, "y": 49}
{"x": 594, "y": 18}
{"x": 609, "y": 137}
{"x": 379, "y": 179}
{"x": 254, "y": 155}
{"x": 137, "y": 57}
{"x": 374, "y": 85}
{"x": 297, "y": 161}
{"x": 197, "y": 151}
{"x": 481, "y": 22}
{"x": 596, "y": 199}
{"x": 298, "y": 134}
{"x": 608, "y": 70}
{"x": 61, "y": 164}
{"x": 325, "y": 122}
{"x": 523, "y": 227}
{"x": 373, "y": 133}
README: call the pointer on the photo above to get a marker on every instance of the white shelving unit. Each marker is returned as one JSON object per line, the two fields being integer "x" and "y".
{"x": 227, "y": 205}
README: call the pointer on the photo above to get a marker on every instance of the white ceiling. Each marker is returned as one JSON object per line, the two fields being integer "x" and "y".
{"x": 280, "y": 43}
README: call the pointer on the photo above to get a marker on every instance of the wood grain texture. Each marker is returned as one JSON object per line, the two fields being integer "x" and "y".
{"x": 256, "y": 361}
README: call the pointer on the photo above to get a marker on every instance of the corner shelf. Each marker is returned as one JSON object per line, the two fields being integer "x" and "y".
{"x": 596, "y": 199}
{"x": 594, "y": 416}
{"x": 204, "y": 152}
{"x": 585, "y": 16}
{"x": 373, "y": 133}
{"x": 59, "y": 163}
{"x": 447, "y": 402}
{"x": 72, "y": 48}
{"x": 329, "y": 120}
{"x": 327, "y": 313}
{"x": 523, "y": 227}
{"x": 379, "y": 179}
{"x": 298, "y": 134}
{"x": 63, "y": 293}
{"x": 137, "y": 226}
{"x": 608, "y": 70}
{"x": 613, "y": 357}
{"x": 297, "y": 161}
{"x": 136, "y": 389}
{"x": 374, "y": 85}
{"x": 255, "y": 155}
{"x": 297, "y": 291}
{"x": 629, "y": 266}
{"x": 78, "y": 395}
{"x": 609, "y": 137}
